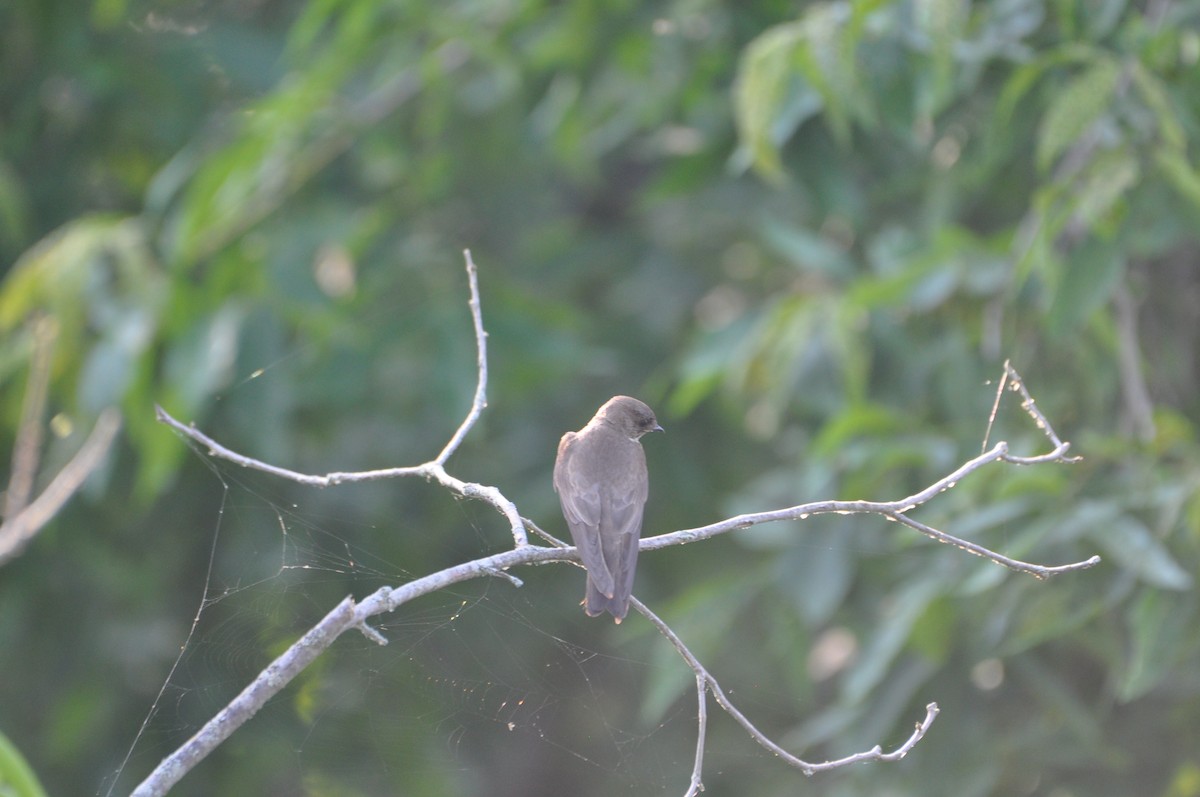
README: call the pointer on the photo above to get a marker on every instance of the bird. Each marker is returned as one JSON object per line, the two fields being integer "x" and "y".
{"x": 601, "y": 480}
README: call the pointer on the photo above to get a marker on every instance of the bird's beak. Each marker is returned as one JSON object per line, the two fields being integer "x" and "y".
{"x": 658, "y": 428}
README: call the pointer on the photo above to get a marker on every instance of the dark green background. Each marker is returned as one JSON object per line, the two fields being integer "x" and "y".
{"x": 807, "y": 234}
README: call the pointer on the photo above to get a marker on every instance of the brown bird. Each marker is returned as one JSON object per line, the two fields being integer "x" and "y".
{"x": 600, "y": 477}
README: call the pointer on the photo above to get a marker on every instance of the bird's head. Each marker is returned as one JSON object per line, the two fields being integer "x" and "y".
{"x": 629, "y": 416}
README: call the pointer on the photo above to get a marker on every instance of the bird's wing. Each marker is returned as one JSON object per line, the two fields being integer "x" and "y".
{"x": 621, "y": 552}
{"x": 581, "y": 507}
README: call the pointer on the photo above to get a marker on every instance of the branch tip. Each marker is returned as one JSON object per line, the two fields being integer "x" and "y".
{"x": 504, "y": 574}
{"x": 372, "y": 633}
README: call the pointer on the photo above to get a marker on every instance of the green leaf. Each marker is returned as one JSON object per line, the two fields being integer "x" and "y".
{"x": 1024, "y": 78}
{"x": 1180, "y": 173}
{"x": 1159, "y": 623}
{"x": 1157, "y": 99}
{"x": 823, "y": 68}
{"x": 1078, "y": 105}
{"x": 17, "y": 778}
{"x": 1185, "y": 782}
{"x": 1108, "y": 179}
{"x": 1092, "y": 271}
{"x": 201, "y": 361}
{"x": 705, "y": 368}
{"x": 108, "y": 14}
{"x": 859, "y": 419}
{"x": 933, "y": 633}
{"x": 110, "y": 366}
{"x": 817, "y": 571}
{"x": 764, "y": 74}
{"x": 807, "y": 251}
{"x": 1128, "y": 542}
{"x": 1051, "y": 615}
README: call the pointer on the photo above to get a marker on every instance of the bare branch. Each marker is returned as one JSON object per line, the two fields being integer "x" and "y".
{"x": 897, "y": 510}
{"x": 17, "y": 531}
{"x": 696, "y": 784}
{"x": 1017, "y": 384}
{"x": 995, "y": 408}
{"x": 1041, "y": 572}
{"x": 433, "y": 470}
{"x": 893, "y": 510}
{"x": 705, "y": 680}
{"x": 350, "y": 614}
{"x": 291, "y": 662}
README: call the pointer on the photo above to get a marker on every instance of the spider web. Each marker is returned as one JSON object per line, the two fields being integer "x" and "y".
{"x": 481, "y": 690}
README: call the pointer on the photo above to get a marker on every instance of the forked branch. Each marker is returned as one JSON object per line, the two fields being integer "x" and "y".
{"x": 434, "y": 469}
{"x": 350, "y": 614}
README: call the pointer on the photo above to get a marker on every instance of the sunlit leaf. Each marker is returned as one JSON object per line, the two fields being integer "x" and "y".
{"x": 1076, "y": 107}
{"x": 764, "y": 74}
{"x": 17, "y": 778}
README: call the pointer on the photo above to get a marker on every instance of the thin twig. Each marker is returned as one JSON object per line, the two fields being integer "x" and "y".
{"x": 705, "y": 680}
{"x": 1041, "y": 572}
{"x": 696, "y": 784}
{"x": 433, "y": 470}
{"x": 16, "y": 532}
{"x": 1017, "y": 384}
{"x": 895, "y": 510}
{"x": 995, "y": 408}
{"x": 479, "y": 402}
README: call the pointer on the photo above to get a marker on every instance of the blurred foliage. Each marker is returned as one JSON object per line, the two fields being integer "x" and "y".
{"x": 16, "y": 778}
{"x": 809, "y": 234}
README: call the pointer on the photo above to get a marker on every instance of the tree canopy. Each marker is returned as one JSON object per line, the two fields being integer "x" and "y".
{"x": 808, "y": 235}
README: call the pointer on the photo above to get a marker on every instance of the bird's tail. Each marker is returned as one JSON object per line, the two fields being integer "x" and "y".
{"x": 596, "y": 602}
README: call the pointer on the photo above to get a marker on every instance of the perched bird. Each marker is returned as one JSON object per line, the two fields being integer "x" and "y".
{"x": 600, "y": 477}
